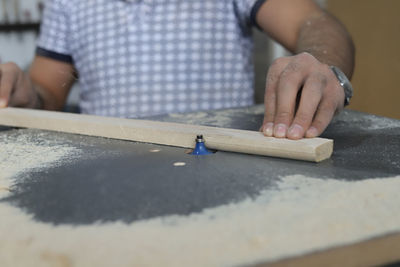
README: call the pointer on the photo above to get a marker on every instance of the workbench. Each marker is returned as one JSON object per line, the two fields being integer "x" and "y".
{"x": 112, "y": 202}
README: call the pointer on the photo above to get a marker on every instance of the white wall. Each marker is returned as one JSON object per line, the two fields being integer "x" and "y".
{"x": 14, "y": 11}
{"x": 18, "y": 47}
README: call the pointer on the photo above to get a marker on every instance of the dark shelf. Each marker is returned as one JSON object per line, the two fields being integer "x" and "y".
{"x": 20, "y": 27}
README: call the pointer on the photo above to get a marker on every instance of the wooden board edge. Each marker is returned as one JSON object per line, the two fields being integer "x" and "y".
{"x": 166, "y": 133}
{"x": 324, "y": 151}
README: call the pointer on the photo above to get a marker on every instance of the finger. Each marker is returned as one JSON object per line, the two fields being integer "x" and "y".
{"x": 3, "y": 103}
{"x": 289, "y": 85}
{"x": 270, "y": 95}
{"x": 269, "y": 102}
{"x": 7, "y": 80}
{"x": 310, "y": 98}
{"x": 323, "y": 117}
{"x": 6, "y": 85}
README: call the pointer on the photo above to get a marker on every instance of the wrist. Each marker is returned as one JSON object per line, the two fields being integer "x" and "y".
{"x": 36, "y": 101}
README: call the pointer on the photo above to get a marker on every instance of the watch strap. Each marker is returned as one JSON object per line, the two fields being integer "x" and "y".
{"x": 345, "y": 83}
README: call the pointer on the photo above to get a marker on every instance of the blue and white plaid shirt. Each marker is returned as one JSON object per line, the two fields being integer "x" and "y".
{"x": 147, "y": 57}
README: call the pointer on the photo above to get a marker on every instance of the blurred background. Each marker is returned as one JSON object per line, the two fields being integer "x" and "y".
{"x": 374, "y": 25}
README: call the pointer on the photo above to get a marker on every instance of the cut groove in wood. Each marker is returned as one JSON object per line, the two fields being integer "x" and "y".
{"x": 167, "y": 133}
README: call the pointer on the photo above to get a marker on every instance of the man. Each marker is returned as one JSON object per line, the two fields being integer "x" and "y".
{"x": 146, "y": 57}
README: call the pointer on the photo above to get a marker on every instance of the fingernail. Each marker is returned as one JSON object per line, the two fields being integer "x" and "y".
{"x": 269, "y": 129}
{"x": 312, "y": 132}
{"x": 3, "y": 103}
{"x": 280, "y": 130}
{"x": 296, "y": 131}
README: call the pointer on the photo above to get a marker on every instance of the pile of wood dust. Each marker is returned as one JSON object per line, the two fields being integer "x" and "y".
{"x": 302, "y": 214}
{"x": 370, "y": 122}
{"x": 25, "y": 150}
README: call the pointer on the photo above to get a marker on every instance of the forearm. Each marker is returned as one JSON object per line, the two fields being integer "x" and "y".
{"x": 51, "y": 81}
{"x": 324, "y": 37}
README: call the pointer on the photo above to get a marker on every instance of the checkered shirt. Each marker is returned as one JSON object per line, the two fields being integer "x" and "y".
{"x": 148, "y": 57}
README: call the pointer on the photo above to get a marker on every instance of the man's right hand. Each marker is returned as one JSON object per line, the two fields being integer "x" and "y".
{"x": 16, "y": 88}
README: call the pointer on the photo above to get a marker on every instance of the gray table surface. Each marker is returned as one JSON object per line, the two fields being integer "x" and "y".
{"x": 118, "y": 180}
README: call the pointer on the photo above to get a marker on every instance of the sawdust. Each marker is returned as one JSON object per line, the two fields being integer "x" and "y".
{"x": 319, "y": 213}
{"x": 301, "y": 214}
{"x": 203, "y": 118}
{"x": 226, "y": 117}
{"x": 219, "y": 118}
{"x": 21, "y": 152}
{"x": 370, "y": 122}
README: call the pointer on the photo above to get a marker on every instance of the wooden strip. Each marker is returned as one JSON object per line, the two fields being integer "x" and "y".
{"x": 374, "y": 252}
{"x": 166, "y": 133}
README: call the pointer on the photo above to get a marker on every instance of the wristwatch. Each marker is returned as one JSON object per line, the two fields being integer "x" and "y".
{"x": 345, "y": 83}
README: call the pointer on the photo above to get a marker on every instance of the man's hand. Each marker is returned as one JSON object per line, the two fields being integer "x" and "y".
{"x": 45, "y": 86}
{"x": 302, "y": 92}
{"x": 16, "y": 88}
{"x": 302, "y": 96}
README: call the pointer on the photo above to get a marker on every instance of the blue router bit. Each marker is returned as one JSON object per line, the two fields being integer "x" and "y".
{"x": 200, "y": 148}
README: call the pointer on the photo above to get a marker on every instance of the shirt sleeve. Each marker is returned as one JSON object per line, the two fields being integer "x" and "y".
{"x": 54, "y": 32}
{"x": 247, "y": 10}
